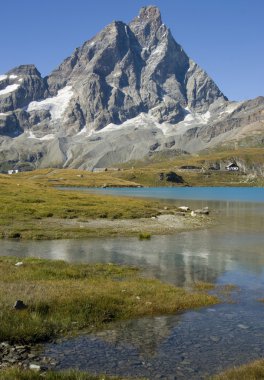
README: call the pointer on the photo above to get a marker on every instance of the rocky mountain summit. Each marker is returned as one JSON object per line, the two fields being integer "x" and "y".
{"x": 128, "y": 92}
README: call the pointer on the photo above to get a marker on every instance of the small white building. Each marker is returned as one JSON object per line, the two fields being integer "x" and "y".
{"x": 99, "y": 170}
{"x": 13, "y": 171}
{"x": 232, "y": 167}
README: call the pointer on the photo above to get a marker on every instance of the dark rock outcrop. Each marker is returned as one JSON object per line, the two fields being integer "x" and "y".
{"x": 174, "y": 178}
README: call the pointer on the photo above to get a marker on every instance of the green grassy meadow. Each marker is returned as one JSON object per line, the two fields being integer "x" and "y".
{"x": 251, "y": 371}
{"x": 64, "y": 298}
{"x": 31, "y": 208}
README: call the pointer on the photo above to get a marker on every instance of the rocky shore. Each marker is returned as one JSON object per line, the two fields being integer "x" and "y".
{"x": 24, "y": 356}
{"x": 169, "y": 221}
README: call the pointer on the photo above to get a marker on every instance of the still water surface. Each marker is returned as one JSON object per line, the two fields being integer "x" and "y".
{"x": 193, "y": 344}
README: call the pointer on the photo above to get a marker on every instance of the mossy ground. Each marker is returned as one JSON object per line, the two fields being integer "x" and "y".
{"x": 18, "y": 374}
{"x": 65, "y": 298}
{"x": 251, "y": 371}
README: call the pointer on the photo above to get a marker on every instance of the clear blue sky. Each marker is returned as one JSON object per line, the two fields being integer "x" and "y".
{"x": 225, "y": 37}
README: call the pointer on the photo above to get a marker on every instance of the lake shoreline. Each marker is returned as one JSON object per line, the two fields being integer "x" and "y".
{"x": 34, "y": 211}
{"x": 61, "y": 299}
{"x": 164, "y": 224}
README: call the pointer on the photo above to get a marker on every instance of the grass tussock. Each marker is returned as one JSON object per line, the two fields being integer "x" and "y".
{"x": 203, "y": 286}
{"x": 19, "y": 374}
{"x": 251, "y": 371}
{"x": 222, "y": 291}
{"x": 63, "y": 298}
{"x": 144, "y": 236}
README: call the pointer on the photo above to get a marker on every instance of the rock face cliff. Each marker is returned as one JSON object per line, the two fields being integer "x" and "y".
{"x": 125, "y": 93}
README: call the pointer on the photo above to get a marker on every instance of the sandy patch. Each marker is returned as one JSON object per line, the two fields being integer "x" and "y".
{"x": 162, "y": 224}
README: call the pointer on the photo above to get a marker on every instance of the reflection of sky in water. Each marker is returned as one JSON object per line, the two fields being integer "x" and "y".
{"x": 225, "y": 251}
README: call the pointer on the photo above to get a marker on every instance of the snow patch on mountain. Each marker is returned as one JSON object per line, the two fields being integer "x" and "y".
{"x": 9, "y": 89}
{"x": 48, "y": 137}
{"x": 232, "y": 107}
{"x": 55, "y": 105}
{"x": 205, "y": 117}
{"x": 142, "y": 120}
{"x": 147, "y": 120}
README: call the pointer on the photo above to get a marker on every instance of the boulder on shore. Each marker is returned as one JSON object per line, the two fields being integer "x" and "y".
{"x": 19, "y": 305}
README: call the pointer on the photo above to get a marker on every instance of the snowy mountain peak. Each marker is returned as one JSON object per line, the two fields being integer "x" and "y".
{"x": 150, "y": 13}
{"x": 146, "y": 26}
{"x": 25, "y": 70}
{"x": 134, "y": 83}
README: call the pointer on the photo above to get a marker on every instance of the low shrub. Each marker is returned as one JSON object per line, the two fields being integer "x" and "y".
{"x": 144, "y": 236}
